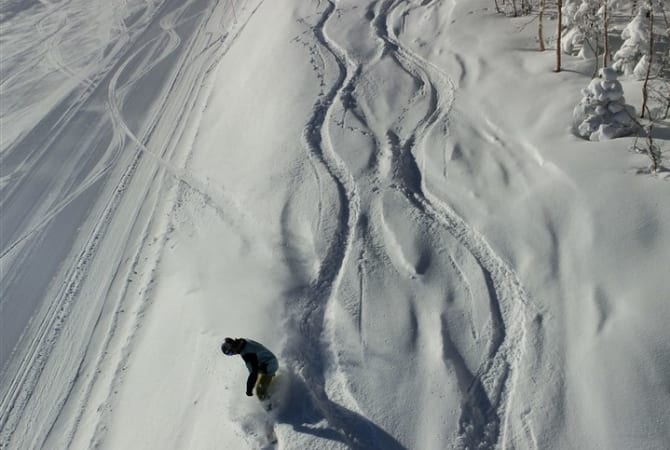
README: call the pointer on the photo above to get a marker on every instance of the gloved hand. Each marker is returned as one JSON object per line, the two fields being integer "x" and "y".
{"x": 249, "y": 394}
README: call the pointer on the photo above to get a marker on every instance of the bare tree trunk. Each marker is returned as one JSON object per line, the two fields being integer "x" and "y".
{"x": 645, "y": 90}
{"x": 558, "y": 40}
{"x": 497, "y": 7}
{"x": 539, "y": 26}
{"x": 667, "y": 33}
{"x": 606, "y": 54}
{"x": 595, "y": 51}
{"x": 652, "y": 149}
{"x": 516, "y": 13}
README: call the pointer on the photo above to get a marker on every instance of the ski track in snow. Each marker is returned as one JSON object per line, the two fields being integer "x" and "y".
{"x": 306, "y": 316}
{"x": 115, "y": 315}
{"x": 490, "y": 388}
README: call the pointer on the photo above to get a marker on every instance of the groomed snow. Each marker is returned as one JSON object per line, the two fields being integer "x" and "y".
{"x": 386, "y": 194}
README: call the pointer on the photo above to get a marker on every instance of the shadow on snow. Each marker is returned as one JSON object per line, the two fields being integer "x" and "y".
{"x": 309, "y": 411}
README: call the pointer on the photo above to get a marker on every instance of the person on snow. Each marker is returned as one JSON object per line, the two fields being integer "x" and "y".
{"x": 261, "y": 363}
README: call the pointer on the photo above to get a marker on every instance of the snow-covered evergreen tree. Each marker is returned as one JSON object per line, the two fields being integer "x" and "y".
{"x": 635, "y": 45}
{"x": 572, "y": 37}
{"x": 640, "y": 70}
{"x": 602, "y": 113}
{"x": 583, "y": 21}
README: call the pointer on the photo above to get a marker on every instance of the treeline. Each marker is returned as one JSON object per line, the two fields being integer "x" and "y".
{"x": 629, "y": 37}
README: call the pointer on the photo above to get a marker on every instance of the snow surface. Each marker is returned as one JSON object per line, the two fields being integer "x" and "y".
{"x": 386, "y": 194}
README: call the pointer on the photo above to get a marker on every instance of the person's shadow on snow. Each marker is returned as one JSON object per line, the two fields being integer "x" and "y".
{"x": 305, "y": 411}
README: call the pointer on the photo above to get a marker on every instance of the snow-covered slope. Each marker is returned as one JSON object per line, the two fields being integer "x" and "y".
{"x": 386, "y": 194}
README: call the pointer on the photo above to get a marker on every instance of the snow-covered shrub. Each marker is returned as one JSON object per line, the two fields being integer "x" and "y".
{"x": 602, "y": 113}
{"x": 583, "y": 22}
{"x": 571, "y": 41}
{"x": 635, "y": 45}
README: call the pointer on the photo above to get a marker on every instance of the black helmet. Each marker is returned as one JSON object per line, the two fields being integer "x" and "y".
{"x": 228, "y": 346}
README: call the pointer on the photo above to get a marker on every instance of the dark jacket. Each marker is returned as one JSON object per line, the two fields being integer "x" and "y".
{"x": 259, "y": 360}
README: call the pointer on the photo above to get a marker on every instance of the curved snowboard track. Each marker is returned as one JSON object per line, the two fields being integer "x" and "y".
{"x": 489, "y": 414}
{"x": 486, "y": 419}
{"x": 484, "y": 422}
{"x": 306, "y": 314}
{"x": 97, "y": 304}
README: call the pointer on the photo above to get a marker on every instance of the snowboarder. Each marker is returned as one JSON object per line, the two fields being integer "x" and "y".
{"x": 261, "y": 363}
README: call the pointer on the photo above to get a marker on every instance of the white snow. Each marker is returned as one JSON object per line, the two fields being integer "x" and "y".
{"x": 386, "y": 194}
